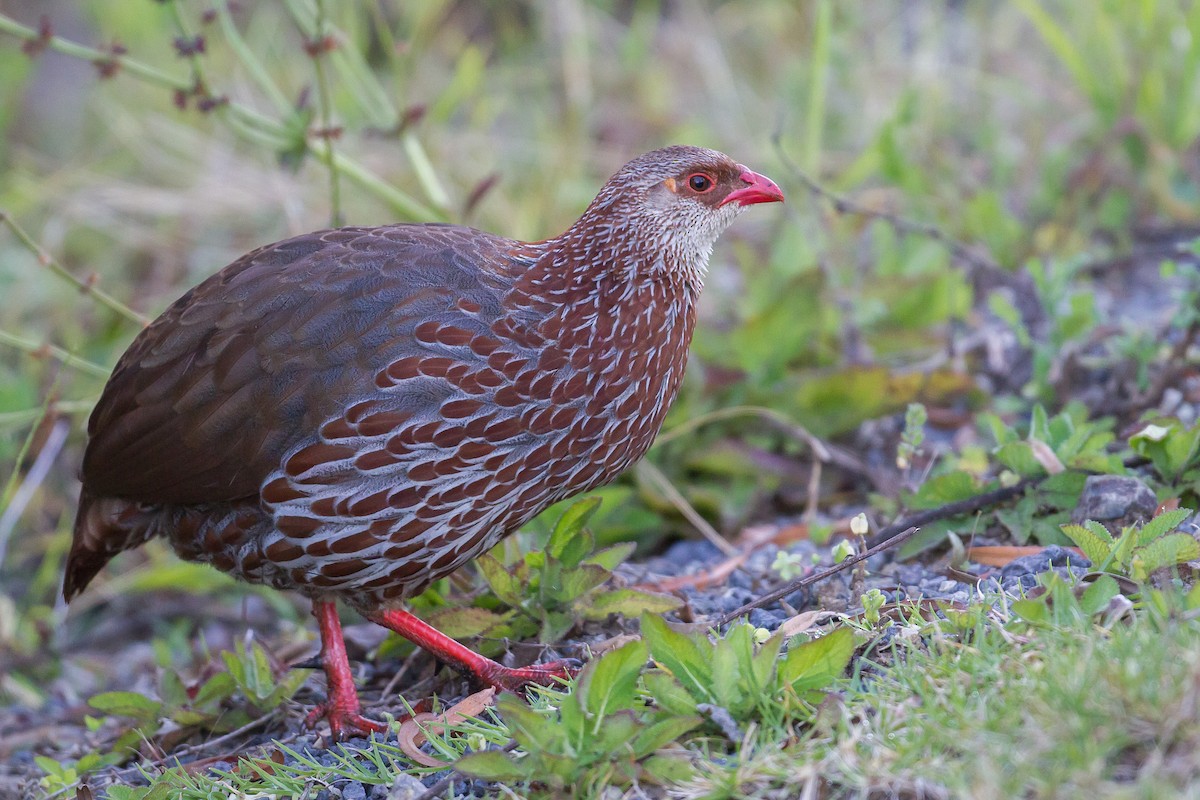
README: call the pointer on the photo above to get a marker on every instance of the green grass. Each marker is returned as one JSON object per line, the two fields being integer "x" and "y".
{"x": 1041, "y": 139}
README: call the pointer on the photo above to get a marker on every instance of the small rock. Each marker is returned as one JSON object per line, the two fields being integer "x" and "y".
{"x": 1115, "y": 500}
{"x": 1053, "y": 556}
{"x": 354, "y": 791}
{"x": 406, "y": 787}
{"x": 768, "y": 619}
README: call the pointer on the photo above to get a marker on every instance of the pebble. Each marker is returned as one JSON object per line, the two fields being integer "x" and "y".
{"x": 1114, "y": 499}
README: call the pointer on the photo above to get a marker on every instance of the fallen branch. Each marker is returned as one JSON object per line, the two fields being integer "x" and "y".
{"x": 792, "y": 586}
{"x": 892, "y": 536}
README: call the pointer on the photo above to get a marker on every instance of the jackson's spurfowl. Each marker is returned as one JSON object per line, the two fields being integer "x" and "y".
{"x": 355, "y": 413}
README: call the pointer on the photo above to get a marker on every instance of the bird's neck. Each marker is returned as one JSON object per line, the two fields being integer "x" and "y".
{"x": 598, "y": 291}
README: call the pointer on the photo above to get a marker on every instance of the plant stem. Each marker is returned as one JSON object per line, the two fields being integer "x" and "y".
{"x": 86, "y": 287}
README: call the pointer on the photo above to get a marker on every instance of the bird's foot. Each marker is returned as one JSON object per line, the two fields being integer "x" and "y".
{"x": 516, "y": 679}
{"x": 344, "y": 723}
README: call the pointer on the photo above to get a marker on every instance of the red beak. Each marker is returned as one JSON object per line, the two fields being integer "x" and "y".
{"x": 759, "y": 189}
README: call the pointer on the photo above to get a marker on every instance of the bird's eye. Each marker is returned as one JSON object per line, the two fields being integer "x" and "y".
{"x": 700, "y": 183}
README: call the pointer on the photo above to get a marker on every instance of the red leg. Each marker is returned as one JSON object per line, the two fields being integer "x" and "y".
{"x": 341, "y": 707}
{"x": 468, "y": 661}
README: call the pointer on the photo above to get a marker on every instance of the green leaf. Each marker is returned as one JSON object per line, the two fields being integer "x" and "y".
{"x": 127, "y": 704}
{"x": 49, "y": 766}
{"x": 214, "y": 690}
{"x": 663, "y": 732}
{"x": 611, "y": 738}
{"x": 172, "y": 690}
{"x": 670, "y": 768}
{"x": 499, "y": 580}
{"x": 762, "y": 667}
{"x": 607, "y": 684}
{"x": 568, "y": 529}
{"x": 555, "y": 625}
{"x": 1039, "y": 425}
{"x": 1096, "y": 597}
{"x": 493, "y": 766}
{"x": 1170, "y": 446}
{"x": 678, "y": 654}
{"x": 1001, "y": 433}
{"x": 669, "y": 693}
{"x": 1165, "y": 551}
{"x": 1034, "y": 611}
{"x": 611, "y": 557}
{"x": 629, "y": 603}
{"x": 1123, "y": 549}
{"x": 1018, "y": 456}
{"x": 816, "y": 663}
{"x": 724, "y": 689}
{"x": 942, "y": 489}
{"x": 461, "y": 623}
{"x": 577, "y": 582}
{"x": 1162, "y": 524}
{"x": 116, "y": 792}
{"x": 531, "y": 730}
{"x": 1096, "y": 546}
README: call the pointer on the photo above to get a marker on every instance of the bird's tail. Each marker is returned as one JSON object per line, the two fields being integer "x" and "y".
{"x": 104, "y": 526}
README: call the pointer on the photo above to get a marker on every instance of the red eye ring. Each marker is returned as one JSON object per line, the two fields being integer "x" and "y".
{"x": 700, "y": 183}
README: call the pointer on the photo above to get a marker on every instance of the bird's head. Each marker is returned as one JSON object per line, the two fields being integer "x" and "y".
{"x": 674, "y": 202}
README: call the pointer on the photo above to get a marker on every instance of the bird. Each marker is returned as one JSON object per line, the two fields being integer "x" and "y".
{"x": 357, "y": 412}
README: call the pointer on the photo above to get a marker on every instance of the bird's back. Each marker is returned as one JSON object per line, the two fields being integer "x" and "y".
{"x": 249, "y": 365}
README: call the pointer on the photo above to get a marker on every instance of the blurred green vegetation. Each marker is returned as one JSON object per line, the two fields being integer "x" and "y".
{"x": 1048, "y": 133}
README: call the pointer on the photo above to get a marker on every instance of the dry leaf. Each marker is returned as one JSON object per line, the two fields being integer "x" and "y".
{"x": 412, "y": 733}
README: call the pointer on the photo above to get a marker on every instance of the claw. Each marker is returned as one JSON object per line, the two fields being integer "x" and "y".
{"x": 551, "y": 673}
{"x": 344, "y": 723}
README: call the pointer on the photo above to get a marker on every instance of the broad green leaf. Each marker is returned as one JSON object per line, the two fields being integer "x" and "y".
{"x": 499, "y": 580}
{"x": 461, "y": 623}
{"x": 667, "y": 769}
{"x": 942, "y": 489}
{"x": 1095, "y": 546}
{"x": 1032, "y": 610}
{"x": 569, "y": 528}
{"x": 724, "y": 689}
{"x": 678, "y": 654}
{"x": 1170, "y": 445}
{"x": 1123, "y": 549}
{"x": 137, "y": 792}
{"x": 555, "y": 625}
{"x": 760, "y": 672}
{"x": 1165, "y": 551}
{"x": 493, "y": 766}
{"x": 531, "y": 730}
{"x": 577, "y": 582}
{"x": 1039, "y": 425}
{"x": 171, "y": 689}
{"x": 1019, "y": 457}
{"x": 1096, "y": 597}
{"x": 1162, "y": 524}
{"x": 1001, "y": 433}
{"x": 816, "y": 663}
{"x": 214, "y": 690}
{"x": 575, "y": 727}
{"x": 612, "y": 737}
{"x": 611, "y": 557}
{"x": 126, "y": 704}
{"x": 668, "y": 693}
{"x": 629, "y": 603}
{"x": 558, "y": 769}
{"x": 662, "y": 732}
{"x": 607, "y": 684}
{"x": 181, "y": 716}
{"x": 576, "y": 549}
